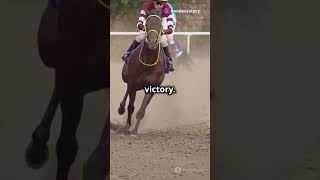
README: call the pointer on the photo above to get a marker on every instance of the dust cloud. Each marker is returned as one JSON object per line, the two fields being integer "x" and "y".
{"x": 175, "y": 131}
{"x": 190, "y": 105}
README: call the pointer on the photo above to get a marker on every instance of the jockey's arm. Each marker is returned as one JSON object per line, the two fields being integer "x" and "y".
{"x": 169, "y": 23}
{"x": 143, "y": 15}
{"x": 142, "y": 19}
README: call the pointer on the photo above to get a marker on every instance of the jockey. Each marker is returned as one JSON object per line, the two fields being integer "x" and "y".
{"x": 172, "y": 43}
{"x": 167, "y": 17}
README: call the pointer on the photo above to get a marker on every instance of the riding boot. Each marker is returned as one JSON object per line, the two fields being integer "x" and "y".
{"x": 134, "y": 45}
{"x": 166, "y": 51}
{"x": 177, "y": 51}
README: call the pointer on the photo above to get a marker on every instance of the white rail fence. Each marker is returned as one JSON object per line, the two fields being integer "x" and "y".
{"x": 188, "y": 34}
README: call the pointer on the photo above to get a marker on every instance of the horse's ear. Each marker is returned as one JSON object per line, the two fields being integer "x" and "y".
{"x": 159, "y": 13}
{"x": 155, "y": 12}
{"x": 152, "y": 11}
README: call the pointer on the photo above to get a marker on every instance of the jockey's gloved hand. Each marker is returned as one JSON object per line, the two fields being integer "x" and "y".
{"x": 141, "y": 27}
{"x": 168, "y": 31}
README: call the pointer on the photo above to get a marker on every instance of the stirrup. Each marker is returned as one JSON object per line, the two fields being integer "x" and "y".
{"x": 171, "y": 69}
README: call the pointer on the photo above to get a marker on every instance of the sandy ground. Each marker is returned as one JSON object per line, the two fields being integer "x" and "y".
{"x": 174, "y": 138}
{"x": 175, "y": 153}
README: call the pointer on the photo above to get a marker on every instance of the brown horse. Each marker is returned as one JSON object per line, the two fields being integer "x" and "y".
{"x": 145, "y": 67}
{"x": 73, "y": 40}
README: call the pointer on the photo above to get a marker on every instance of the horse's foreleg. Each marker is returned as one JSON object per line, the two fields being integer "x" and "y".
{"x": 125, "y": 73}
{"x": 97, "y": 167}
{"x": 146, "y": 100}
{"x": 67, "y": 146}
{"x": 132, "y": 97}
{"x": 121, "y": 108}
{"x": 37, "y": 151}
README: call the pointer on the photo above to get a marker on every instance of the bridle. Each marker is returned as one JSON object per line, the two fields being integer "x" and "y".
{"x": 152, "y": 30}
{"x": 146, "y": 40}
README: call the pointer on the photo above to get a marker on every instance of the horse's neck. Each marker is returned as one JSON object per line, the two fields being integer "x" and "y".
{"x": 78, "y": 7}
{"x": 150, "y": 56}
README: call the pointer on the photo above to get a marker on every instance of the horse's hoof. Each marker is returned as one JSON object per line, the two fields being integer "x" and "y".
{"x": 134, "y": 136}
{"x": 134, "y": 133}
{"x": 124, "y": 129}
{"x": 121, "y": 110}
{"x": 122, "y": 132}
{"x": 36, "y": 155}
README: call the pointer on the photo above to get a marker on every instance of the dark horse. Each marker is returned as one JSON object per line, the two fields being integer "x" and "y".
{"x": 145, "y": 66}
{"x": 73, "y": 39}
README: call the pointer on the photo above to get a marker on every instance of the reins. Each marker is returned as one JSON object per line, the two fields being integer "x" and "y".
{"x": 146, "y": 40}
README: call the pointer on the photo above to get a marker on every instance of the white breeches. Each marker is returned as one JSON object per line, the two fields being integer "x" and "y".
{"x": 170, "y": 37}
{"x": 163, "y": 41}
{"x": 165, "y": 27}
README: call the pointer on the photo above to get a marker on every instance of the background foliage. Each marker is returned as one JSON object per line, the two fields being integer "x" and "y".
{"x": 125, "y": 13}
{"x": 126, "y": 7}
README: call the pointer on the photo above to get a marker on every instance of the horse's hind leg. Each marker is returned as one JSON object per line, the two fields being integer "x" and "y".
{"x": 121, "y": 108}
{"x": 97, "y": 167}
{"x": 146, "y": 100}
{"x": 37, "y": 151}
{"x": 67, "y": 146}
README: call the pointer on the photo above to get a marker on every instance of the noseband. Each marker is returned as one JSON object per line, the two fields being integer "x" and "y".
{"x": 146, "y": 41}
{"x": 152, "y": 30}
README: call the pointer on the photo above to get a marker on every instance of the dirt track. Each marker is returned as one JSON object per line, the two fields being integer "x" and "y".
{"x": 175, "y": 153}
{"x": 174, "y": 138}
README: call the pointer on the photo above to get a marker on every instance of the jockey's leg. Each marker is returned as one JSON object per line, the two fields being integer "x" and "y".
{"x": 173, "y": 46}
{"x": 134, "y": 45}
{"x": 165, "y": 46}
